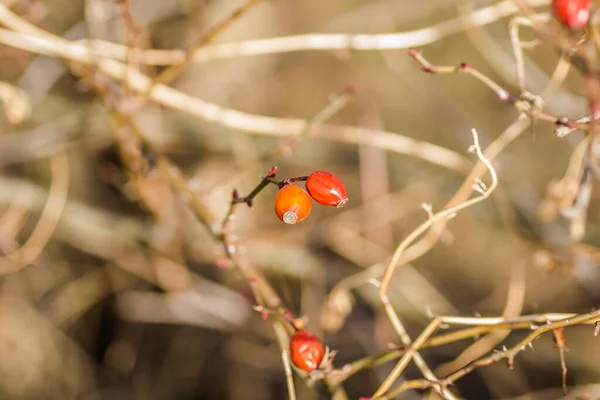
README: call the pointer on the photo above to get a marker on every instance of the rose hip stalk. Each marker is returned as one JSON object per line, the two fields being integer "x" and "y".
{"x": 326, "y": 189}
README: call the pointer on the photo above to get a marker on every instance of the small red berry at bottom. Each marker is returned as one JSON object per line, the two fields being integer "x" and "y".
{"x": 573, "y": 14}
{"x": 306, "y": 350}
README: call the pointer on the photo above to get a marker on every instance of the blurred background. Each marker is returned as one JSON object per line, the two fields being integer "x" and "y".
{"x": 95, "y": 301}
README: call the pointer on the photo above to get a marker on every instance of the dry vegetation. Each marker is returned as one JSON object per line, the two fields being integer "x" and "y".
{"x": 464, "y": 266}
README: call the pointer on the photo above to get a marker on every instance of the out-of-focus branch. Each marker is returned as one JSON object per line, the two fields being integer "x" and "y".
{"x": 233, "y": 119}
{"x": 170, "y": 73}
{"x": 48, "y": 221}
{"x": 321, "y": 42}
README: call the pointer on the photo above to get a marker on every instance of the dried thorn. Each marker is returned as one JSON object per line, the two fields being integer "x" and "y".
{"x": 480, "y": 183}
{"x": 478, "y": 189}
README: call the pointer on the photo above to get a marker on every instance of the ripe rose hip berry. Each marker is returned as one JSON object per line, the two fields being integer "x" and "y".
{"x": 292, "y": 204}
{"x": 574, "y": 14}
{"x": 306, "y": 350}
{"x": 326, "y": 189}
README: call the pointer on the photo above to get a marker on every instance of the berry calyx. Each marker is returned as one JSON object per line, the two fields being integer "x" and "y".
{"x": 573, "y": 14}
{"x": 292, "y": 204}
{"x": 326, "y": 189}
{"x": 306, "y": 350}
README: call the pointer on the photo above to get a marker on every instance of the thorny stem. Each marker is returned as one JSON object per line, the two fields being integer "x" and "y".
{"x": 522, "y": 345}
{"x": 266, "y": 180}
{"x": 508, "y": 354}
{"x": 524, "y": 104}
{"x": 482, "y": 326}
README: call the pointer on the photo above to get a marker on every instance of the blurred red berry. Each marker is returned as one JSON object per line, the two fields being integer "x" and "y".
{"x": 292, "y": 204}
{"x": 574, "y": 14}
{"x": 326, "y": 189}
{"x": 306, "y": 350}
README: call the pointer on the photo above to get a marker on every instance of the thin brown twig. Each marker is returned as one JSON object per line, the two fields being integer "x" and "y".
{"x": 561, "y": 344}
{"x": 526, "y": 104}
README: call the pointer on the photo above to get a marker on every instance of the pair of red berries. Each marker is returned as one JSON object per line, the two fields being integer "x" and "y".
{"x": 573, "y": 14}
{"x": 293, "y": 204}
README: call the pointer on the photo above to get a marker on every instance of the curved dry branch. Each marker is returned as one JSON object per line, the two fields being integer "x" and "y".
{"x": 412, "y": 352}
{"x": 45, "y": 227}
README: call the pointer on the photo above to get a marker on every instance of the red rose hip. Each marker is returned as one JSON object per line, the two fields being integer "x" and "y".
{"x": 573, "y": 14}
{"x": 292, "y": 204}
{"x": 306, "y": 350}
{"x": 326, "y": 189}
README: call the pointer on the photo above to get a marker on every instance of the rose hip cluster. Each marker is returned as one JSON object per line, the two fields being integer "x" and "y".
{"x": 293, "y": 204}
